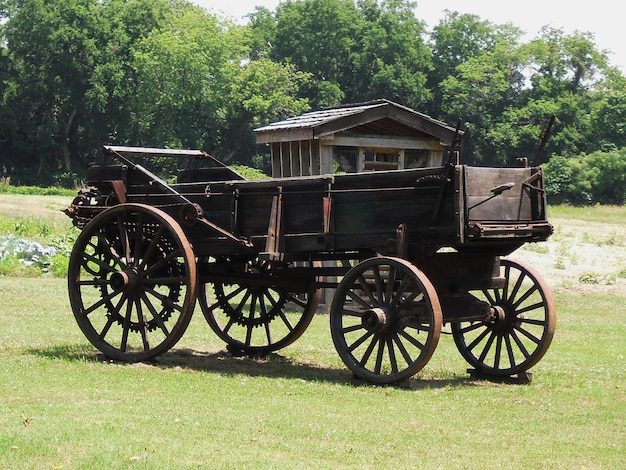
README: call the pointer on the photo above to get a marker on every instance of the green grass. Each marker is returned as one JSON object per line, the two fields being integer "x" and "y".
{"x": 62, "y": 407}
{"x": 604, "y": 214}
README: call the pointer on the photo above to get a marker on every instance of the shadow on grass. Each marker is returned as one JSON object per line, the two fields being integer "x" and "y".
{"x": 273, "y": 366}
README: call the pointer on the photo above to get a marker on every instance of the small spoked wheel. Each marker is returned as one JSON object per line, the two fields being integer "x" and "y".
{"x": 385, "y": 320}
{"x": 519, "y": 330}
{"x": 132, "y": 282}
{"x": 262, "y": 310}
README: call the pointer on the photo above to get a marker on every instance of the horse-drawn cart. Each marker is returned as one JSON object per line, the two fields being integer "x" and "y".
{"x": 405, "y": 251}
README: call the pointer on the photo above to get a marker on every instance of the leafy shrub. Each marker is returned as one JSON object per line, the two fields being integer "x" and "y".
{"x": 598, "y": 178}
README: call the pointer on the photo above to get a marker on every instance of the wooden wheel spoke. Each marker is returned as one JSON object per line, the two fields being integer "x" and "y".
{"x": 472, "y": 327}
{"x": 285, "y": 320}
{"x": 491, "y": 299}
{"x": 528, "y": 334}
{"x": 106, "y": 328}
{"x": 351, "y": 313}
{"x": 165, "y": 300}
{"x": 531, "y": 321}
{"x": 136, "y": 256}
{"x": 526, "y": 295}
{"x": 92, "y": 259}
{"x": 240, "y": 306}
{"x": 143, "y": 325}
{"x": 379, "y": 356}
{"x": 378, "y": 283}
{"x": 154, "y": 243}
{"x": 296, "y": 300}
{"x": 103, "y": 300}
{"x": 360, "y": 341}
{"x": 249, "y": 335}
{"x": 509, "y": 348}
{"x": 107, "y": 249}
{"x": 391, "y": 280}
{"x": 351, "y": 328}
{"x": 268, "y": 332}
{"x": 273, "y": 300}
{"x": 392, "y": 356}
{"x": 367, "y": 289}
{"x": 358, "y": 299}
{"x": 498, "y": 352}
{"x": 479, "y": 338}
{"x": 126, "y": 326}
{"x": 505, "y": 289}
{"x": 517, "y": 286}
{"x": 409, "y": 299}
{"x": 162, "y": 262}
{"x": 227, "y": 298}
{"x": 402, "y": 348}
{"x": 155, "y": 314}
{"x": 401, "y": 291}
{"x": 519, "y": 344}
{"x": 411, "y": 339}
{"x": 229, "y": 324}
{"x": 95, "y": 282}
{"x": 368, "y": 352}
{"x": 487, "y": 347}
{"x": 124, "y": 240}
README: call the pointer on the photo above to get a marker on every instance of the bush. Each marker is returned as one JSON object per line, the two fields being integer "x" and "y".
{"x": 598, "y": 178}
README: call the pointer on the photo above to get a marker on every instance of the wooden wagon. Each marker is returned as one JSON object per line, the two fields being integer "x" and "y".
{"x": 404, "y": 252}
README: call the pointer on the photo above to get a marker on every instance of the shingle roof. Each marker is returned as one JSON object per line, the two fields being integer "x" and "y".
{"x": 342, "y": 117}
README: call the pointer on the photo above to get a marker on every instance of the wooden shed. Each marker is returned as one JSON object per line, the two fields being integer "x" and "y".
{"x": 376, "y": 135}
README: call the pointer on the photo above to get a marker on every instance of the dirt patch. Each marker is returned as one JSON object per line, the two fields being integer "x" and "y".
{"x": 580, "y": 257}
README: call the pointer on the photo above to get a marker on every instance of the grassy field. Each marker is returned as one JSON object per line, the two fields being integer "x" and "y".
{"x": 61, "y": 406}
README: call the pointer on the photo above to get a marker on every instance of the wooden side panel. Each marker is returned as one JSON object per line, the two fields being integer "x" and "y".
{"x": 498, "y": 194}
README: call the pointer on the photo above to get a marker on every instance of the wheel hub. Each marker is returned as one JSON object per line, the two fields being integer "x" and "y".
{"x": 375, "y": 319}
{"x": 501, "y": 319}
{"x": 128, "y": 281}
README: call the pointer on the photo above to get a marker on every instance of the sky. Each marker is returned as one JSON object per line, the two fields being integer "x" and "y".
{"x": 599, "y": 17}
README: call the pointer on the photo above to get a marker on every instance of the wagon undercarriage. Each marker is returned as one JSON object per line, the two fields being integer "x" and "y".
{"x": 404, "y": 252}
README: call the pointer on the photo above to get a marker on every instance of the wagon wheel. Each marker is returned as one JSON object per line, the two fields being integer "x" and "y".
{"x": 132, "y": 282}
{"x": 258, "y": 317}
{"x": 385, "y": 320}
{"x": 520, "y": 329}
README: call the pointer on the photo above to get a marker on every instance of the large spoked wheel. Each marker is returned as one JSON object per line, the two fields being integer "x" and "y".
{"x": 520, "y": 329}
{"x": 385, "y": 320}
{"x": 259, "y": 314}
{"x": 132, "y": 282}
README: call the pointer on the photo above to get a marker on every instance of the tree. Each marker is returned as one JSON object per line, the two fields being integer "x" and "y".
{"x": 390, "y": 59}
{"x": 53, "y": 46}
{"x": 319, "y": 37}
{"x": 482, "y": 91}
{"x": 456, "y": 40}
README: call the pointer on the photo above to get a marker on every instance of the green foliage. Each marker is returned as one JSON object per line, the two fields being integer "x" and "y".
{"x": 598, "y": 178}
{"x": 249, "y": 173}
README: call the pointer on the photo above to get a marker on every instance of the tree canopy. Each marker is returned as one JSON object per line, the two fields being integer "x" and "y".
{"x": 76, "y": 74}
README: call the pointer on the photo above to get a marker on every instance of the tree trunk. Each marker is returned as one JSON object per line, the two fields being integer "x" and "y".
{"x": 66, "y": 141}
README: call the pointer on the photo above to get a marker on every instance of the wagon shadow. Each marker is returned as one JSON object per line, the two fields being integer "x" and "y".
{"x": 223, "y": 363}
